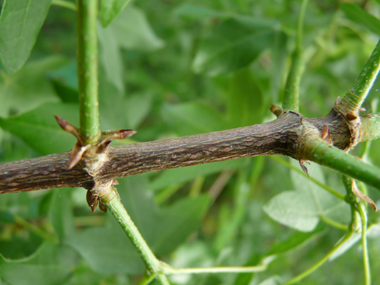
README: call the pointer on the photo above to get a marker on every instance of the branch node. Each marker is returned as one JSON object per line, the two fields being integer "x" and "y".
{"x": 91, "y": 153}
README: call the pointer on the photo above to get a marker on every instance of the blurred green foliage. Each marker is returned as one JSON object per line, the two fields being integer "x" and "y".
{"x": 174, "y": 68}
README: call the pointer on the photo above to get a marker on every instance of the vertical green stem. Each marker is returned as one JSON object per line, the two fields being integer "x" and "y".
{"x": 363, "y": 217}
{"x": 354, "y": 98}
{"x": 291, "y": 92}
{"x": 152, "y": 263}
{"x": 319, "y": 263}
{"x": 88, "y": 70}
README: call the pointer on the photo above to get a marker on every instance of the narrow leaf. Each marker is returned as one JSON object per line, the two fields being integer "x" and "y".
{"x": 357, "y": 15}
{"x": 233, "y": 45}
{"x": 20, "y": 23}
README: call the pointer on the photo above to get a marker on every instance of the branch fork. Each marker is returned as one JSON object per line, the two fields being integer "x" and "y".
{"x": 94, "y": 156}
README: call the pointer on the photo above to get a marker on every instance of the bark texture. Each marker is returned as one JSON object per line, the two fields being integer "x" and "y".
{"x": 282, "y": 136}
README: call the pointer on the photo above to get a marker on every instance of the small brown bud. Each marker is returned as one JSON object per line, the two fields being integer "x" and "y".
{"x": 351, "y": 117}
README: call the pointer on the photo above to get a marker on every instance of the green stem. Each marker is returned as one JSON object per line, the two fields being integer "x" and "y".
{"x": 333, "y": 223}
{"x": 197, "y": 186}
{"x": 152, "y": 263}
{"x": 327, "y": 188}
{"x": 363, "y": 217}
{"x": 201, "y": 270}
{"x": 88, "y": 70}
{"x": 300, "y": 24}
{"x": 355, "y": 97}
{"x": 332, "y": 157}
{"x": 36, "y": 230}
{"x": 358, "y": 208}
{"x": 319, "y": 263}
{"x": 167, "y": 193}
{"x": 258, "y": 166}
{"x": 65, "y": 4}
{"x": 291, "y": 92}
{"x": 146, "y": 279}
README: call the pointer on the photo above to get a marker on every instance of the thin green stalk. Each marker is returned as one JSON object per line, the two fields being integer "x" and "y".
{"x": 333, "y": 223}
{"x": 36, "y": 230}
{"x": 197, "y": 186}
{"x": 327, "y": 188}
{"x": 332, "y": 157}
{"x": 201, "y": 270}
{"x": 256, "y": 170}
{"x": 358, "y": 208}
{"x": 319, "y": 263}
{"x": 354, "y": 98}
{"x": 167, "y": 193}
{"x": 152, "y": 263}
{"x": 291, "y": 92}
{"x": 300, "y": 24}
{"x": 367, "y": 273}
{"x": 88, "y": 70}
{"x": 146, "y": 279}
{"x": 65, "y": 4}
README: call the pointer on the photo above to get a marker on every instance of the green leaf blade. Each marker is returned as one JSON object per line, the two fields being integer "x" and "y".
{"x": 39, "y": 129}
{"x": 109, "y": 9}
{"x": 50, "y": 264}
{"x": 20, "y": 23}
{"x": 359, "y": 16}
{"x": 233, "y": 45}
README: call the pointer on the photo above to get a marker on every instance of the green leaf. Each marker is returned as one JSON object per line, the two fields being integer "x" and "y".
{"x": 198, "y": 12}
{"x": 274, "y": 280}
{"x": 39, "y": 129}
{"x": 118, "y": 111}
{"x": 301, "y": 209}
{"x": 163, "y": 228}
{"x": 279, "y": 56}
{"x": 293, "y": 241}
{"x": 233, "y": 45}
{"x": 185, "y": 174}
{"x": 192, "y": 118}
{"x": 108, "y": 250}
{"x": 244, "y": 100}
{"x": 357, "y": 15}
{"x": 130, "y": 30}
{"x": 111, "y": 58}
{"x": 65, "y": 92}
{"x": 28, "y": 88}
{"x": 61, "y": 214}
{"x": 293, "y": 209}
{"x": 133, "y": 31}
{"x": 373, "y": 231}
{"x": 50, "y": 264}
{"x": 65, "y": 83}
{"x": 20, "y": 23}
{"x": 109, "y": 9}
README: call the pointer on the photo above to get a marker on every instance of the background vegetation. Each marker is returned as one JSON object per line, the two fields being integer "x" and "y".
{"x": 175, "y": 68}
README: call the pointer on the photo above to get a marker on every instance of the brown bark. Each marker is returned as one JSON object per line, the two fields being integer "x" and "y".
{"x": 281, "y": 136}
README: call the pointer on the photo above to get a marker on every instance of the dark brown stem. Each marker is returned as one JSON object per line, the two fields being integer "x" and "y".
{"x": 280, "y": 136}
